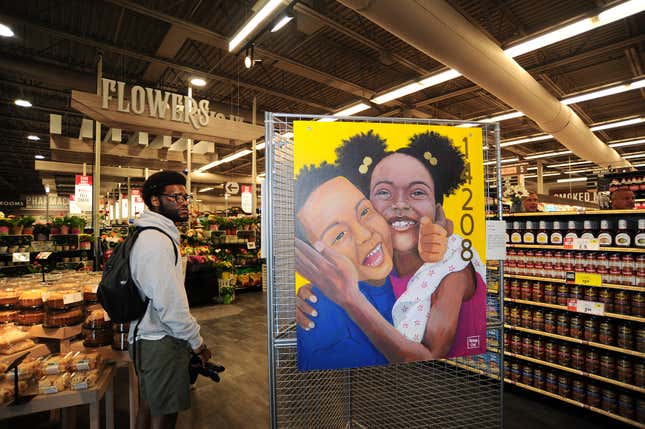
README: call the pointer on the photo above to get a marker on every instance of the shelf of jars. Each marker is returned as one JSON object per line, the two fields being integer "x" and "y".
{"x": 565, "y": 308}
{"x": 580, "y": 213}
{"x": 552, "y": 280}
{"x": 585, "y": 405}
{"x": 559, "y": 247}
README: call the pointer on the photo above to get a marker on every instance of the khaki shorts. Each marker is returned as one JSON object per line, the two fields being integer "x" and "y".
{"x": 164, "y": 381}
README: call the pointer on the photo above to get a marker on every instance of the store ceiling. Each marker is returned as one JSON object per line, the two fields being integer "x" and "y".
{"x": 329, "y": 57}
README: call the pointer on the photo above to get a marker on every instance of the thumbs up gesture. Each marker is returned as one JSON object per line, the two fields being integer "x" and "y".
{"x": 433, "y": 237}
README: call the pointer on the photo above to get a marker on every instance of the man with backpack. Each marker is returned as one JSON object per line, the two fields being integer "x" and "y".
{"x": 168, "y": 334}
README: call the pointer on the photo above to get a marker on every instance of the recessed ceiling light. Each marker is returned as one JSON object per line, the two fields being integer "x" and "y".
{"x": 197, "y": 81}
{"x": 33, "y": 138}
{"x": 39, "y": 157}
{"x": 22, "y": 103}
{"x": 5, "y": 31}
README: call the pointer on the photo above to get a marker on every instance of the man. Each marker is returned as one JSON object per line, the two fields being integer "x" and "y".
{"x": 168, "y": 333}
{"x": 530, "y": 203}
{"x": 622, "y": 199}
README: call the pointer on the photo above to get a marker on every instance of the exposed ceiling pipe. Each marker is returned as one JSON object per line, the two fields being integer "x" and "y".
{"x": 438, "y": 30}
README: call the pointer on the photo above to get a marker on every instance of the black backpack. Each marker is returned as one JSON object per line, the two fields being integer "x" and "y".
{"x": 117, "y": 292}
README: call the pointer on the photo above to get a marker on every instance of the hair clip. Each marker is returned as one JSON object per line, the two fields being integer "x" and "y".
{"x": 364, "y": 167}
{"x": 431, "y": 159}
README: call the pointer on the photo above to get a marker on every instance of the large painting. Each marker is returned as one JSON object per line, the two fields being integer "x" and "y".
{"x": 390, "y": 242}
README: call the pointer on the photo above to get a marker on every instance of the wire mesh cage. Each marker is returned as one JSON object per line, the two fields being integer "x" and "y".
{"x": 461, "y": 392}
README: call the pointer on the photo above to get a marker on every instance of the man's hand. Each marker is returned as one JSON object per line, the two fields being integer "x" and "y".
{"x": 203, "y": 353}
{"x": 330, "y": 271}
{"x": 303, "y": 310}
{"x": 433, "y": 237}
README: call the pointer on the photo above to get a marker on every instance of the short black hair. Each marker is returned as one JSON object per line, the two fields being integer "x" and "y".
{"x": 310, "y": 178}
{"x": 357, "y": 157}
{"x": 155, "y": 184}
{"x": 441, "y": 158}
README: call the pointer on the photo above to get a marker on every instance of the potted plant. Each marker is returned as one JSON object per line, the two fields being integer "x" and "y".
{"x": 16, "y": 226}
{"x": 41, "y": 231}
{"x": 76, "y": 224}
{"x": 85, "y": 241}
{"x": 27, "y": 224}
{"x": 5, "y": 225}
{"x": 227, "y": 292}
{"x": 57, "y": 226}
{"x": 515, "y": 194}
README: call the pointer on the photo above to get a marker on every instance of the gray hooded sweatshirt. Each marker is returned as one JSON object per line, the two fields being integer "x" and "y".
{"x": 158, "y": 277}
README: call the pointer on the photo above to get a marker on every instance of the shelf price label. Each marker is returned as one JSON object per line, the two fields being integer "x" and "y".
{"x": 43, "y": 255}
{"x": 587, "y": 307}
{"x": 20, "y": 257}
{"x": 588, "y": 279}
{"x": 581, "y": 243}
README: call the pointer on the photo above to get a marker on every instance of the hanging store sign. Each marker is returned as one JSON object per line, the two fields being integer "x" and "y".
{"x": 39, "y": 202}
{"x": 137, "y": 202}
{"x": 73, "y": 207}
{"x": 590, "y": 196}
{"x": 83, "y": 192}
{"x": 247, "y": 198}
{"x": 10, "y": 204}
{"x": 232, "y": 188}
{"x": 334, "y": 165}
{"x": 514, "y": 170}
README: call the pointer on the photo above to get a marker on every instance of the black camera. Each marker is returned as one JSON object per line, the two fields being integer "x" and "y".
{"x": 207, "y": 369}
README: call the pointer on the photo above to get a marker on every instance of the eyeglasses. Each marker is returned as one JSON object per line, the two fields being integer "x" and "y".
{"x": 180, "y": 197}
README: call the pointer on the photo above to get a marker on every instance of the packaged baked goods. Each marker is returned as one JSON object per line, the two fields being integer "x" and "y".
{"x": 56, "y": 364}
{"x": 120, "y": 341}
{"x": 84, "y": 380}
{"x": 97, "y": 337}
{"x": 64, "y": 296}
{"x": 17, "y": 347}
{"x": 90, "y": 286}
{"x": 25, "y": 388}
{"x": 8, "y": 316}
{"x": 30, "y": 317}
{"x": 28, "y": 369}
{"x": 49, "y": 384}
{"x": 31, "y": 298}
{"x": 60, "y": 319}
{"x": 85, "y": 361}
{"x": 97, "y": 318}
{"x": 8, "y": 297}
{"x": 121, "y": 327}
{"x": 11, "y": 334}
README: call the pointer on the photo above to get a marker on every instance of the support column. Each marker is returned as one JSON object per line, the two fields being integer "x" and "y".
{"x": 254, "y": 167}
{"x": 96, "y": 173}
{"x": 189, "y": 144}
{"x": 129, "y": 201}
{"x": 540, "y": 177}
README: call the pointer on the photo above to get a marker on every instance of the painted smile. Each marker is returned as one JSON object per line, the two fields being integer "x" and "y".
{"x": 401, "y": 224}
{"x": 375, "y": 257}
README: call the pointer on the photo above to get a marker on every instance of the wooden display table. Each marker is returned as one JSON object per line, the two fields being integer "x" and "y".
{"x": 62, "y": 335}
{"x": 72, "y": 398}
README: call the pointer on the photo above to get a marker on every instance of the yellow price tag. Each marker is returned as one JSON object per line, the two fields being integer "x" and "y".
{"x": 588, "y": 279}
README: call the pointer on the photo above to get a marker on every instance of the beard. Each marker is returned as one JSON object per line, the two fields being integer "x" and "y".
{"x": 172, "y": 213}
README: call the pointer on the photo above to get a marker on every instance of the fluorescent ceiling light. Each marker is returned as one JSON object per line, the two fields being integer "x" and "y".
{"x": 197, "y": 81}
{"x": 507, "y": 143}
{"x": 531, "y": 168}
{"x": 548, "y": 154}
{"x": 616, "y": 89}
{"x": 608, "y": 16}
{"x": 33, "y": 138}
{"x": 39, "y": 157}
{"x": 22, "y": 103}
{"x": 531, "y": 176}
{"x": 352, "y": 110}
{"x": 624, "y": 123}
{"x": 638, "y": 165}
{"x": 397, "y": 93}
{"x": 503, "y": 117}
{"x": 504, "y": 161}
{"x": 260, "y": 146}
{"x": 438, "y": 78}
{"x": 572, "y": 179}
{"x": 260, "y": 16}
{"x": 282, "y": 22}
{"x": 633, "y": 155}
{"x": 5, "y": 31}
{"x": 206, "y": 189}
{"x": 586, "y": 170}
{"x": 624, "y": 143}
{"x": 568, "y": 164}
{"x": 224, "y": 160}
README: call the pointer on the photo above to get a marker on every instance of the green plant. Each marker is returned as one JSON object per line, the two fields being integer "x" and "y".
{"x": 5, "y": 222}
{"x": 58, "y": 222}
{"x": 75, "y": 222}
{"x": 41, "y": 228}
{"x": 26, "y": 221}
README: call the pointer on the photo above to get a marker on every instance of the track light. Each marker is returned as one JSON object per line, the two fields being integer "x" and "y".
{"x": 249, "y": 57}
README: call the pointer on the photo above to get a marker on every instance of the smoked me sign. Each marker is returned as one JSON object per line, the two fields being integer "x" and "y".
{"x": 159, "y": 104}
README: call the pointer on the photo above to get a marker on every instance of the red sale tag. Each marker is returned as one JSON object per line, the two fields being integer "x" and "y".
{"x": 587, "y": 307}
{"x": 568, "y": 243}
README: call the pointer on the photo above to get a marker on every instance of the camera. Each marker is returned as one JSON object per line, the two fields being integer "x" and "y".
{"x": 207, "y": 369}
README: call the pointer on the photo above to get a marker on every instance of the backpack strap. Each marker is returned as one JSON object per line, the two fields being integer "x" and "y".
{"x": 174, "y": 247}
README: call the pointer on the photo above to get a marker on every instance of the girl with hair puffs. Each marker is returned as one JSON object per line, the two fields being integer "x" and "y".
{"x": 440, "y": 297}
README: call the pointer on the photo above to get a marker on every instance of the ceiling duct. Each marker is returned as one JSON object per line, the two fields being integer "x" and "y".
{"x": 438, "y": 30}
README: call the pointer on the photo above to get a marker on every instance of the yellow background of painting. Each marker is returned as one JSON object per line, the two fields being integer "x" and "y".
{"x": 315, "y": 142}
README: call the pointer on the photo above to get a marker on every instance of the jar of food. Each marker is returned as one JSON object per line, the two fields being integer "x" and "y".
{"x": 640, "y": 409}
{"x": 639, "y": 373}
{"x": 592, "y": 362}
{"x": 579, "y": 262}
{"x": 515, "y": 316}
{"x": 563, "y": 294}
{"x": 556, "y": 232}
{"x": 550, "y": 293}
{"x": 638, "y": 304}
{"x": 516, "y": 343}
{"x": 516, "y": 373}
{"x": 614, "y": 261}
{"x": 527, "y": 374}
{"x": 537, "y": 292}
{"x": 507, "y": 340}
{"x": 627, "y": 263}
{"x": 526, "y": 316}
{"x": 551, "y": 352}
{"x": 590, "y": 294}
{"x": 606, "y": 296}
{"x": 551, "y": 382}
{"x": 577, "y": 357}
{"x": 624, "y": 336}
{"x": 550, "y": 323}
{"x": 564, "y": 385}
{"x": 516, "y": 235}
{"x": 538, "y": 320}
{"x": 606, "y": 332}
{"x": 591, "y": 329}
{"x": 575, "y": 292}
{"x": 538, "y": 348}
{"x": 573, "y": 229}
{"x": 607, "y": 365}
{"x": 626, "y": 406}
{"x": 564, "y": 354}
{"x": 578, "y": 390}
{"x": 593, "y": 395}
{"x": 527, "y": 346}
{"x": 507, "y": 289}
{"x": 640, "y": 339}
{"x": 608, "y": 400}
{"x": 605, "y": 238}
{"x": 575, "y": 326}
{"x": 538, "y": 378}
{"x": 624, "y": 369}
{"x": 622, "y": 302}
{"x": 507, "y": 368}
{"x": 544, "y": 230}
{"x": 525, "y": 290}
{"x": 623, "y": 236}
{"x": 515, "y": 289}
{"x": 563, "y": 324}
